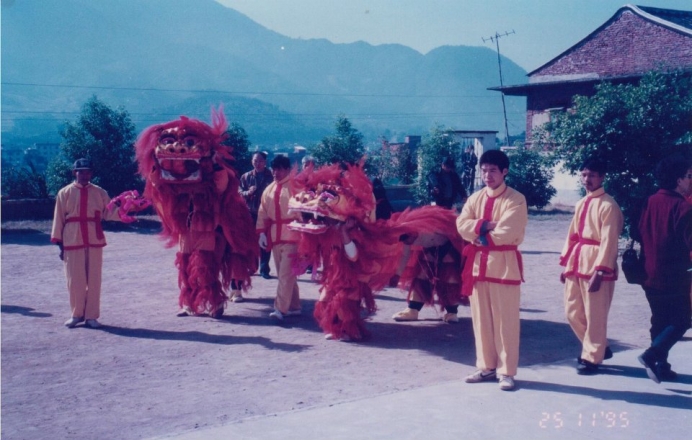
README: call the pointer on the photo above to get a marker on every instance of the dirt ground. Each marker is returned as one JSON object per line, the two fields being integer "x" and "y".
{"x": 149, "y": 373}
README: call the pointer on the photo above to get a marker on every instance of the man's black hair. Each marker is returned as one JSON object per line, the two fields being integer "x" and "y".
{"x": 595, "y": 164}
{"x": 281, "y": 162}
{"x": 495, "y": 157}
{"x": 260, "y": 153}
{"x": 449, "y": 162}
{"x": 669, "y": 170}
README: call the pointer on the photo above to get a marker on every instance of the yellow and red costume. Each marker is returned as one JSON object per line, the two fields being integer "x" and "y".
{"x": 273, "y": 220}
{"x": 195, "y": 193}
{"x": 493, "y": 273}
{"x": 591, "y": 245}
{"x": 79, "y": 210}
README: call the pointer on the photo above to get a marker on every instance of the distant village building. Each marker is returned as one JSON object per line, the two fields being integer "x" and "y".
{"x": 636, "y": 40}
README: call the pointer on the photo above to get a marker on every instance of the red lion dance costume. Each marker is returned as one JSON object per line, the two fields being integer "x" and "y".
{"x": 195, "y": 193}
{"x": 332, "y": 198}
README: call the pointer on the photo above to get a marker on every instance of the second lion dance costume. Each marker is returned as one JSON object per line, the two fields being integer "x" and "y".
{"x": 334, "y": 199}
{"x": 195, "y": 193}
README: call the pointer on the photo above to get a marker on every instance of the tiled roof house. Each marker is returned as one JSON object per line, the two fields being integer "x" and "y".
{"x": 636, "y": 40}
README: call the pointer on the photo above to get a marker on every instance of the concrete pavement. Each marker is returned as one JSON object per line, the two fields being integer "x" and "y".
{"x": 551, "y": 401}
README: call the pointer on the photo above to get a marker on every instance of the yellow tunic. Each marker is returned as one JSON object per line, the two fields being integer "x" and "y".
{"x": 78, "y": 214}
{"x": 499, "y": 261}
{"x": 592, "y": 240}
{"x": 272, "y": 217}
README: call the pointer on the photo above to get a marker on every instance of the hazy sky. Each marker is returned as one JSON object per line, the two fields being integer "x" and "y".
{"x": 543, "y": 28}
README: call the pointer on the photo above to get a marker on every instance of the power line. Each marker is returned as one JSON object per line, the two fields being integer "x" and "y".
{"x": 231, "y": 92}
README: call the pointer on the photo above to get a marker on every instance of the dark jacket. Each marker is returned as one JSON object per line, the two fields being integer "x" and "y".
{"x": 665, "y": 228}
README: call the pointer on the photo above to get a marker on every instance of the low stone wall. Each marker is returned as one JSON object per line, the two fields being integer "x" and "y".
{"x": 27, "y": 209}
{"x": 400, "y": 197}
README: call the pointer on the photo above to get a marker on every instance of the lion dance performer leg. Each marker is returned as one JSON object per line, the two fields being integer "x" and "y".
{"x": 195, "y": 193}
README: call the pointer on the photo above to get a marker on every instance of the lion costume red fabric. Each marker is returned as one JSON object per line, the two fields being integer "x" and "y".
{"x": 332, "y": 197}
{"x": 426, "y": 271}
{"x": 195, "y": 193}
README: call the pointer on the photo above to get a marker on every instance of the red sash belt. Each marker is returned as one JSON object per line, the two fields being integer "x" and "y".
{"x": 469, "y": 252}
{"x": 84, "y": 227}
{"x": 578, "y": 242}
{"x": 268, "y": 230}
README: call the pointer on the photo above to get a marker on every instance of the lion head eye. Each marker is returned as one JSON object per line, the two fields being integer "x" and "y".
{"x": 190, "y": 141}
{"x": 167, "y": 139}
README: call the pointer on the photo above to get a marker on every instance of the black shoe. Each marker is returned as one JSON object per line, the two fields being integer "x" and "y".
{"x": 266, "y": 276}
{"x": 650, "y": 365}
{"x": 665, "y": 373}
{"x": 586, "y": 368}
{"x": 608, "y": 353}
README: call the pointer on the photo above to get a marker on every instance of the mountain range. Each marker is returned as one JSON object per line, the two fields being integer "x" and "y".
{"x": 159, "y": 59}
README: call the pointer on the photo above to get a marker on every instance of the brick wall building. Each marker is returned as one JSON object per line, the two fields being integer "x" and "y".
{"x": 636, "y": 40}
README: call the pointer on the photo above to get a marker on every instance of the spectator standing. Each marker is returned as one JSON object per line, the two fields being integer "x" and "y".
{"x": 274, "y": 236}
{"x": 79, "y": 209}
{"x": 469, "y": 161}
{"x": 665, "y": 230}
{"x": 445, "y": 185}
{"x": 252, "y": 185}
{"x": 590, "y": 260}
{"x": 493, "y": 221}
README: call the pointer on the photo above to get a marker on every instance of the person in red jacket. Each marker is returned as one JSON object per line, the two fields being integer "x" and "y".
{"x": 665, "y": 230}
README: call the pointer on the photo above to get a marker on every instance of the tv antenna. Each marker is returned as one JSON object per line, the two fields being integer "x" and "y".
{"x": 496, "y": 39}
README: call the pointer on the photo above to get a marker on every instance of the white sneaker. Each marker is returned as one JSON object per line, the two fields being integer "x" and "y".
{"x": 92, "y": 323}
{"x": 506, "y": 383}
{"x": 72, "y": 322}
{"x": 237, "y": 296}
{"x": 277, "y": 315}
{"x": 480, "y": 376}
{"x": 185, "y": 311}
{"x": 450, "y": 318}
{"x": 344, "y": 337}
{"x": 408, "y": 314}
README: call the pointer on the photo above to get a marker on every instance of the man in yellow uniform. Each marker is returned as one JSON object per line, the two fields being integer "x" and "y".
{"x": 79, "y": 209}
{"x": 590, "y": 259}
{"x": 493, "y": 220}
{"x": 274, "y": 235}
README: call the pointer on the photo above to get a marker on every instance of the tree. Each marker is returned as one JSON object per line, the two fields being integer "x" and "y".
{"x": 104, "y": 136}
{"x": 406, "y": 165}
{"x": 530, "y": 173}
{"x": 631, "y": 127}
{"x": 238, "y": 139}
{"x": 345, "y": 146}
{"x": 382, "y": 163}
{"x": 437, "y": 145}
{"x": 23, "y": 182}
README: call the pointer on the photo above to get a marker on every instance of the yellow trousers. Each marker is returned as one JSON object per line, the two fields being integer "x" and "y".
{"x": 587, "y": 314}
{"x": 287, "y": 295}
{"x": 83, "y": 273}
{"x": 495, "y": 316}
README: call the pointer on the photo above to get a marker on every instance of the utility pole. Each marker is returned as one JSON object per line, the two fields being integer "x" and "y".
{"x": 496, "y": 39}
